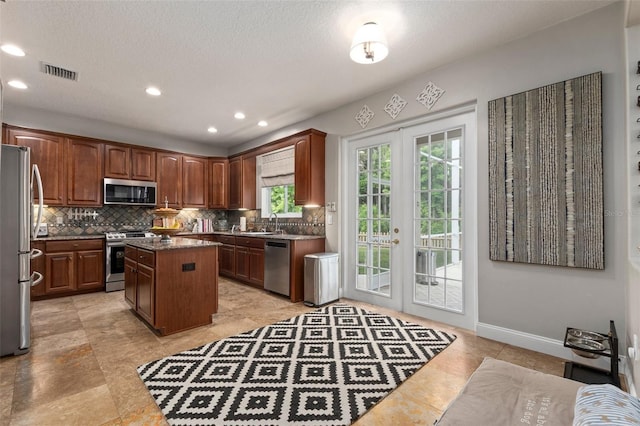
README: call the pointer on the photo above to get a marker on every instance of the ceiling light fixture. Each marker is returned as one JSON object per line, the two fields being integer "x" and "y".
{"x": 212, "y": 130}
{"x": 239, "y": 115}
{"x": 153, "y": 91}
{"x": 12, "y": 49}
{"x": 17, "y": 84}
{"x": 262, "y": 123}
{"x": 369, "y": 45}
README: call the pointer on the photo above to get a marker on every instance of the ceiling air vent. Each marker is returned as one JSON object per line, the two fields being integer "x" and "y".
{"x": 57, "y": 71}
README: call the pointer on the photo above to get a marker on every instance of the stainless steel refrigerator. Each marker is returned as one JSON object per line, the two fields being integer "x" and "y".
{"x": 17, "y": 227}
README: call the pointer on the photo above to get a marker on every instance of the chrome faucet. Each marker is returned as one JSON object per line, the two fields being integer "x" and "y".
{"x": 235, "y": 228}
{"x": 276, "y": 216}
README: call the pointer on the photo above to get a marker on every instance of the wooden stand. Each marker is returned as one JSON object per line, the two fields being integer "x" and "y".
{"x": 591, "y": 375}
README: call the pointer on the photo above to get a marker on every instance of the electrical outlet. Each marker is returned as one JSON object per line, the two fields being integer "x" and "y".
{"x": 59, "y": 220}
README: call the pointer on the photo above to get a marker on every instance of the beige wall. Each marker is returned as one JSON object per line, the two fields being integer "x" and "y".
{"x": 529, "y": 299}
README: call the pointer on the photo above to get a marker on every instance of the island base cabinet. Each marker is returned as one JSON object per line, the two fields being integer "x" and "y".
{"x": 172, "y": 290}
{"x": 145, "y": 292}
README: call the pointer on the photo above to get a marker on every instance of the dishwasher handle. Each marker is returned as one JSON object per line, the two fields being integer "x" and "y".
{"x": 279, "y": 244}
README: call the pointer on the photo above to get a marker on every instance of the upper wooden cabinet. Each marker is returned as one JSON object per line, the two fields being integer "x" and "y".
{"x": 194, "y": 182}
{"x": 219, "y": 183}
{"x": 117, "y": 161}
{"x": 242, "y": 182}
{"x": 47, "y": 151}
{"x": 123, "y": 162}
{"x": 182, "y": 179}
{"x": 84, "y": 172}
{"x": 169, "y": 173}
{"x": 143, "y": 164}
{"x": 309, "y": 168}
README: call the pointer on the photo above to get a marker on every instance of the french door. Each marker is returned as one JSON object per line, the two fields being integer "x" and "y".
{"x": 408, "y": 243}
{"x": 374, "y": 258}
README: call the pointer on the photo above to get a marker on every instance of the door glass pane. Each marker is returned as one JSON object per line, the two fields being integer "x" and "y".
{"x": 374, "y": 212}
{"x": 437, "y": 225}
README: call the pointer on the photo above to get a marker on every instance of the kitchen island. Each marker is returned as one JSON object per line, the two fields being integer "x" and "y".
{"x": 172, "y": 285}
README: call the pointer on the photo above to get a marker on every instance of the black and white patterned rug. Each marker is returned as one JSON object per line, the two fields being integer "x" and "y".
{"x": 326, "y": 367}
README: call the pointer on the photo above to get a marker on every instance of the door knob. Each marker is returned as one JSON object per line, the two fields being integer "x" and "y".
{"x": 396, "y": 241}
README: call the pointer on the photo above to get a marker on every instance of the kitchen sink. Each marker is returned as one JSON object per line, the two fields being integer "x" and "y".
{"x": 258, "y": 233}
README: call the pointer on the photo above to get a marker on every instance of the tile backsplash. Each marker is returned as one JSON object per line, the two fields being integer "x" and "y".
{"x": 96, "y": 221}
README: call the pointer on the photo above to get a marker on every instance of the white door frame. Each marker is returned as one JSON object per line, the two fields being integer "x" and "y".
{"x": 470, "y": 319}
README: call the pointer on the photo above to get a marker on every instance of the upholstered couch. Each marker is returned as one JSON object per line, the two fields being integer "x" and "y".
{"x": 499, "y": 393}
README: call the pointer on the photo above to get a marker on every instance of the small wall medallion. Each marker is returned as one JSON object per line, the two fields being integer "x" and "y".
{"x": 395, "y": 105}
{"x": 430, "y": 95}
{"x": 364, "y": 116}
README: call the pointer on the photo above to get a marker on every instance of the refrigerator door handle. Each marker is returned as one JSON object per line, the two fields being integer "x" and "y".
{"x": 35, "y": 253}
{"x": 37, "y": 280}
{"x": 35, "y": 175}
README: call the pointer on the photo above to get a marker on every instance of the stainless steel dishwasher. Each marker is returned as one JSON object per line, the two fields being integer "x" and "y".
{"x": 276, "y": 266}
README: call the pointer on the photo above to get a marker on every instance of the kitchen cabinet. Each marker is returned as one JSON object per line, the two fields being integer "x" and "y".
{"x": 70, "y": 267}
{"x": 172, "y": 290}
{"x": 250, "y": 260}
{"x": 250, "y": 266}
{"x": 227, "y": 255}
{"x": 194, "y": 182}
{"x": 256, "y": 267}
{"x": 242, "y": 258}
{"x": 47, "y": 151}
{"x": 298, "y": 250}
{"x": 130, "y": 277}
{"x": 169, "y": 175}
{"x": 242, "y": 182}
{"x": 309, "y": 168}
{"x": 219, "y": 183}
{"x": 143, "y": 164}
{"x": 139, "y": 281}
{"x": 117, "y": 161}
{"x": 84, "y": 172}
{"x": 182, "y": 179}
{"x": 124, "y": 162}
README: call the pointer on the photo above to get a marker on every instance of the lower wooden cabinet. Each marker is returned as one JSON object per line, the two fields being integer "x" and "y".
{"x": 256, "y": 267}
{"x": 69, "y": 267}
{"x": 146, "y": 292}
{"x": 242, "y": 258}
{"x": 139, "y": 281}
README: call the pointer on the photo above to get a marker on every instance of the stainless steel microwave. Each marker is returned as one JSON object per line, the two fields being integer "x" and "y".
{"x": 129, "y": 192}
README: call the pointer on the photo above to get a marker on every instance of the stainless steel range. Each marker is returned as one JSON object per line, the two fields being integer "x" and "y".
{"x": 115, "y": 256}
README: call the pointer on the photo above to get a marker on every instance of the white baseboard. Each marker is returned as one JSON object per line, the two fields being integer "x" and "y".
{"x": 624, "y": 369}
{"x": 543, "y": 345}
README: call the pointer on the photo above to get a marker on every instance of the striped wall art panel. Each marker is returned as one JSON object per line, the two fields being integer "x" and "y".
{"x": 545, "y": 175}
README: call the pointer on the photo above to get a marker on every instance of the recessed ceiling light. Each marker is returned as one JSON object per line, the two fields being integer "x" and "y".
{"x": 239, "y": 115}
{"x": 12, "y": 49}
{"x": 17, "y": 84}
{"x": 153, "y": 91}
{"x": 262, "y": 123}
{"x": 212, "y": 130}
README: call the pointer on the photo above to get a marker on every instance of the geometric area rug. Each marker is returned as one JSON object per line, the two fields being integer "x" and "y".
{"x": 326, "y": 367}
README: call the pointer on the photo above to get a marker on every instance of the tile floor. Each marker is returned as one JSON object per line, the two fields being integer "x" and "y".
{"x": 81, "y": 367}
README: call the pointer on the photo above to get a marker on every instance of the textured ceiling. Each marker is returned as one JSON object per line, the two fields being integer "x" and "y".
{"x": 280, "y": 61}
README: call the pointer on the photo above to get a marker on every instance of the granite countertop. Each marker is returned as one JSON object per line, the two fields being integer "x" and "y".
{"x": 71, "y": 237}
{"x": 154, "y": 244}
{"x": 263, "y": 236}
